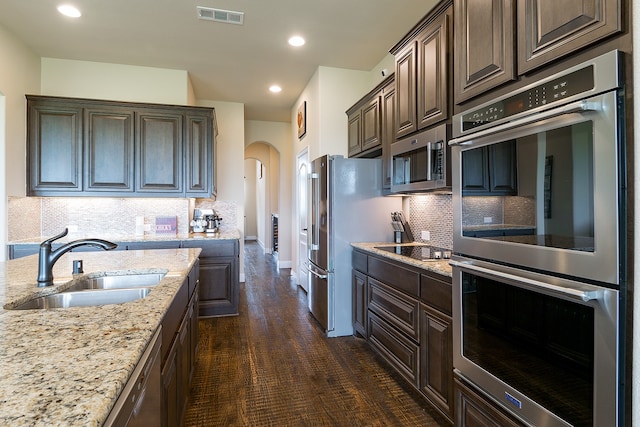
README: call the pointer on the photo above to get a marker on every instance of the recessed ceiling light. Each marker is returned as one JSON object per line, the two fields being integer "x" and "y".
{"x": 275, "y": 88}
{"x": 70, "y": 11}
{"x": 296, "y": 41}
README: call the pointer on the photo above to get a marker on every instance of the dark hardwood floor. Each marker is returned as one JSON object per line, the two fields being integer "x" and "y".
{"x": 273, "y": 366}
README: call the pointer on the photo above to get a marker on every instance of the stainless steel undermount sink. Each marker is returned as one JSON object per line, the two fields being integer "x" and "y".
{"x": 126, "y": 281}
{"x": 86, "y": 298}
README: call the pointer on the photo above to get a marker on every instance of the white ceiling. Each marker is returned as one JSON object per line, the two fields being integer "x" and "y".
{"x": 226, "y": 62}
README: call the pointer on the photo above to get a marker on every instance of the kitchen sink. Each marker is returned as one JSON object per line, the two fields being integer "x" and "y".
{"x": 125, "y": 281}
{"x": 86, "y": 298}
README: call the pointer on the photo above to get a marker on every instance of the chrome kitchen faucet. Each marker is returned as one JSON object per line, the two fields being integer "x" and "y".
{"x": 48, "y": 257}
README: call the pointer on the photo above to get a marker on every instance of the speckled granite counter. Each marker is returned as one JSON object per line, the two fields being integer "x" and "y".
{"x": 66, "y": 367}
{"x": 440, "y": 267}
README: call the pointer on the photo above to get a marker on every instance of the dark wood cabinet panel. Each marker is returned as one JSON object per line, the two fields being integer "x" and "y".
{"x": 364, "y": 125}
{"x": 400, "y": 310}
{"x": 371, "y": 124}
{"x": 472, "y": 410}
{"x": 360, "y": 303}
{"x": 548, "y": 30}
{"x": 199, "y": 157}
{"x": 484, "y": 46}
{"x": 109, "y": 149}
{"x": 433, "y": 76}
{"x": 54, "y": 137}
{"x": 401, "y": 352}
{"x": 388, "y": 131}
{"x": 171, "y": 390}
{"x": 436, "y": 365}
{"x": 159, "y": 152}
{"x": 406, "y": 106}
{"x": 354, "y": 136}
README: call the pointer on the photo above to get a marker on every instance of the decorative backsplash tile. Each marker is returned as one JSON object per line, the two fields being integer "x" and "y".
{"x": 432, "y": 213}
{"x": 31, "y": 217}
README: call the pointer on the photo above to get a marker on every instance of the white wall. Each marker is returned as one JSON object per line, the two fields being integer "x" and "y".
{"x": 84, "y": 79}
{"x": 19, "y": 75}
{"x": 250, "y": 209}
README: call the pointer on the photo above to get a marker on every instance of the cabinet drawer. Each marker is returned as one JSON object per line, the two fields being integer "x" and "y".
{"x": 359, "y": 261}
{"x": 394, "y": 275}
{"x": 220, "y": 248}
{"x": 436, "y": 292}
{"x": 400, "y": 310}
{"x": 397, "y": 349}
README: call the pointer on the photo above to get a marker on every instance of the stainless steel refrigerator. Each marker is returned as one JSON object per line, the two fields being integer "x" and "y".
{"x": 346, "y": 206}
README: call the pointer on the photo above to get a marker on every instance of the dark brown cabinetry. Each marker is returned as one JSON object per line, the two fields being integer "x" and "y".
{"x": 484, "y": 46}
{"x": 490, "y": 170}
{"x": 107, "y": 148}
{"x": 408, "y": 322}
{"x": 422, "y": 72}
{"x": 474, "y": 411}
{"x": 219, "y": 277}
{"x": 548, "y": 30}
{"x": 388, "y": 132}
{"x": 179, "y": 349}
{"x": 488, "y": 31}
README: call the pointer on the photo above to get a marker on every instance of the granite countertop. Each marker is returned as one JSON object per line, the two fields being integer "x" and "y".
{"x": 440, "y": 267}
{"x": 233, "y": 234}
{"x": 67, "y": 367}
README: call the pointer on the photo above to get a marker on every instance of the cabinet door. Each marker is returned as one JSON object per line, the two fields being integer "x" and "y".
{"x": 371, "y": 124}
{"x": 219, "y": 290}
{"x": 433, "y": 78}
{"x": 184, "y": 364}
{"x": 436, "y": 365}
{"x": 360, "y": 303}
{"x": 502, "y": 163}
{"x": 484, "y": 46}
{"x": 170, "y": 389}
{"x": 159, "y": 152}
{"x": 354, "y": 136}
{"x": 109, "y": 149}
{"x": 198, "y": 155}
{"x": 193, "y": 339}
{"x": 548, "y": 30}
{"x": 475, "y": 171}
{"x": 388, "y": 131}
{"x": 54, "y": 136}
{"x": 406, "y": 91}
{"x": 474, "y": 411}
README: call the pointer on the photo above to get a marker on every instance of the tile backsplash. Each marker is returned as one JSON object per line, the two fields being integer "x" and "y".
{"x": 31, "y": 217}
{"x": 432, "y": 213}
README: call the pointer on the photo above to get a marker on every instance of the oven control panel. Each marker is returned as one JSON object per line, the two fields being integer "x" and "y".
{"x": 542, "y": 95}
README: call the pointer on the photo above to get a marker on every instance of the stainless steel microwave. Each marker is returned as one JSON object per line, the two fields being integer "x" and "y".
{"x": 422, "y": 162}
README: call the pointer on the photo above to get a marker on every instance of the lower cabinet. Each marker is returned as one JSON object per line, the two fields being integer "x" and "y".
{"x": 406, "y": 316}
{"x": 219, "y": 276}
{"x": 474, "y": 411}
{"x": 180, "y": 329}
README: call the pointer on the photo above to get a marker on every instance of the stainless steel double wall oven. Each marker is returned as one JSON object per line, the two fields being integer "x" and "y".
{"x": 539, "y": 205}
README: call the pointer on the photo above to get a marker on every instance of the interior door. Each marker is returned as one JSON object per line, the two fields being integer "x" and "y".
{"x": 302, "y": 220}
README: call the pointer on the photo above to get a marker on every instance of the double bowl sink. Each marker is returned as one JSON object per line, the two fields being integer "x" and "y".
{"x": 94, "y": 291}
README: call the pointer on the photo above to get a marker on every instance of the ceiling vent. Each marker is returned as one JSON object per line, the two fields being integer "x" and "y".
{"x": 228, "y": 16}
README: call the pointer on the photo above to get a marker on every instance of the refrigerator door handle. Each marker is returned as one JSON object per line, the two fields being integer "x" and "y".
{"x": 315, "y": 211}
{"x": 318, "y": 275}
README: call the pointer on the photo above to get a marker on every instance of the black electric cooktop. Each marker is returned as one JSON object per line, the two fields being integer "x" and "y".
{"x": 419, "y": 252}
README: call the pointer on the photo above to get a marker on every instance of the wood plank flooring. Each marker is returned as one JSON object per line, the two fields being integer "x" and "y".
{"x": 273, "y": 366}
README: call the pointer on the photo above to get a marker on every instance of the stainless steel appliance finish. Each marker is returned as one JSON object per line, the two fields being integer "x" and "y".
{"x": 550, "y": 360}
{"x": 140, "y": 403}
{"x": 568, "y": 184}
{"x": 346, "y": 206}
{"x": 421, "y": 162}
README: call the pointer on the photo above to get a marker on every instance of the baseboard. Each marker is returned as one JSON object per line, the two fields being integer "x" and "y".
{"x": 284, "y": 264}
{"x": 250, "y": 237}
{"x": 242, "y": 278}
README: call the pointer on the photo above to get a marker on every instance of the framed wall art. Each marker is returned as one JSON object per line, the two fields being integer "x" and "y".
{"x": 302, "y": 119}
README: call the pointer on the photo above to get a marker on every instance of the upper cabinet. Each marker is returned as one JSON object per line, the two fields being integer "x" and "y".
{"x": 422, "y": 72}
{"x": 487, "y": 33}
{"x": 106, "y": 148}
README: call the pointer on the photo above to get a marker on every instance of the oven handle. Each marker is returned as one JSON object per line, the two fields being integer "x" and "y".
{"x": 585, "y": 295}
{"x": 574, "y": 107}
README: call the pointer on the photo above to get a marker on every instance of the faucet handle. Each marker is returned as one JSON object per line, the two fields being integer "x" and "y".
{"x": 52, "y": 239}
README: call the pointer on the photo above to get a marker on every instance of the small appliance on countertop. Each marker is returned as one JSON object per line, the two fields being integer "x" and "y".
{"x": 213, "y": 222}
{"x": 199, "y": 221}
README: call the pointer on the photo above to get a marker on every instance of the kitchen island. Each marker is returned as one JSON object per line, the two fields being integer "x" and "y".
{"x": 67, "y": 367}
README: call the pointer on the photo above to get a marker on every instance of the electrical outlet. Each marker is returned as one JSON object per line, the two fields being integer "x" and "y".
{"x": 426, "y": 235}
{"x": 488, "y": 219}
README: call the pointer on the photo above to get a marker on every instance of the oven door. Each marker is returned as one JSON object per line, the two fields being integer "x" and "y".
{"x": 543, "y": 192}
{"x": 542, "y": 347}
